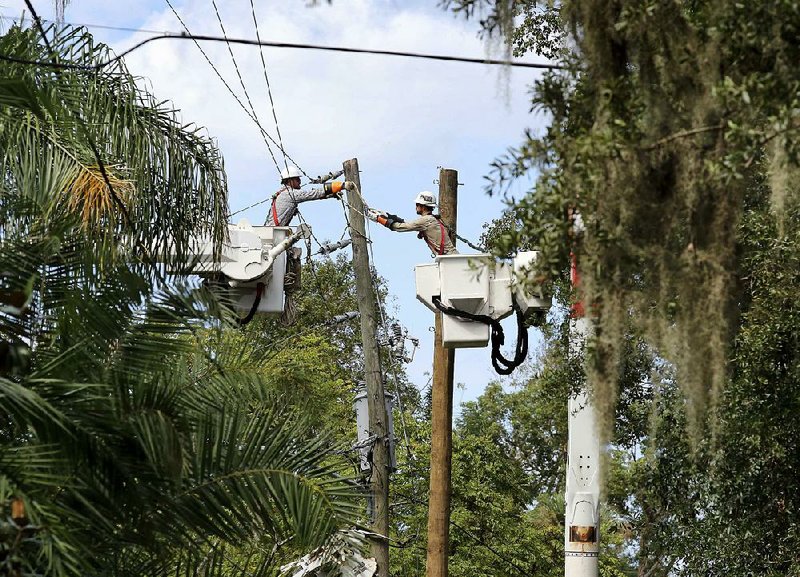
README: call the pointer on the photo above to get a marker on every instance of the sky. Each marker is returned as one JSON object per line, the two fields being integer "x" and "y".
{"x": 401, "y": 118}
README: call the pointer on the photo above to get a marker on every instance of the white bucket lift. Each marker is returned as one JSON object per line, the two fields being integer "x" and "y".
{"x": 479, "y": 285}
{"x": 251, "y": 256}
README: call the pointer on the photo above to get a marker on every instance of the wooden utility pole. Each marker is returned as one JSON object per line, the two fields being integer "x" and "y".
{"x": 442, "y": 410}
{"x": 376, "y": 404}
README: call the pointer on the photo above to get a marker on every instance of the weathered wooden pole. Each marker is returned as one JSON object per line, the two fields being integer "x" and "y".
{"x": 376, "y": 407}
{"x": 442, "y": 410}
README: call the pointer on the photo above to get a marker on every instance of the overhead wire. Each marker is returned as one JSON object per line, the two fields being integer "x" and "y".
{"x": 266, "y": 79}
{"x": 248, "y": 42}
{"x": 250, "y": 206}
{"x": 194, "y": 38}
{"x": 462, "y": 239}
{"x": 252, "y": 112}
{"x": 241, "y": 81}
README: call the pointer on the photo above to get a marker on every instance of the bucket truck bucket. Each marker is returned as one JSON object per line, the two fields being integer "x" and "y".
{"x": 251, "y": 255}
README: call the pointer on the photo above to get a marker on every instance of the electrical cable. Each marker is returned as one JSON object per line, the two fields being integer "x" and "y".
{"x": 254, "y": 309}
{"x": 241, "y": 82}
{"x": 502, "y": 365}
{"x": 297, "y": 45}
{"x": 462, "y": 239}
{"x": 250, "y": 206}
{"x": 266, "y": 78}
{"x": 225, "y": 82}
{"x": 188, "y": 35}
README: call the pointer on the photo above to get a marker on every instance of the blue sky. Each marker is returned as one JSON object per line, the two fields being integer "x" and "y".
{"x": 401, "y": 118}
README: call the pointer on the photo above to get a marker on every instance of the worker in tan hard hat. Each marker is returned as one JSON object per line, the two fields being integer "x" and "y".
{"x": 285, "y": 201}
{"x": 429, "y": 226}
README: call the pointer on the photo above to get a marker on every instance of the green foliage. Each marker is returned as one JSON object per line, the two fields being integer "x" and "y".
{"x": 731, "y": 501}
{"x": 657, "y": 134}
{"x": 673, "y": 130}
{"x": 126, "y": 446}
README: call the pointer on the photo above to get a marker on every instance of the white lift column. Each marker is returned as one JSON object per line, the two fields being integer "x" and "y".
{"x": 582, "y": 519}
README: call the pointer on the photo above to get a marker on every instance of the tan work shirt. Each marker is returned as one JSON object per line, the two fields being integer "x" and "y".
{"x": 432, "y": 231}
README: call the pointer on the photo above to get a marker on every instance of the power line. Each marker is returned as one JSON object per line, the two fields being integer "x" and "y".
{"x": 266, "y": 78}
{"x": 241, "y": 81}
{"x": 301, "y": 46}
{"x": 86, "y": 25}
{"x": 264, "y": 133}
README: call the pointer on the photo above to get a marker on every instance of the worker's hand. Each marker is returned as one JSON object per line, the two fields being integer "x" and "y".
{"x": 333, "y": 188}
{"x": 374, "y": 214}
{"x": 384, "y": 218}
{"x": 349, "y": 185}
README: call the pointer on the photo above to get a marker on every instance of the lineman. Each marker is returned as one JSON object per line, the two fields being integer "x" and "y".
{"x": 281, "y": 213}
{"x": 429, "y": 226}
{"x": 285, "y": 201}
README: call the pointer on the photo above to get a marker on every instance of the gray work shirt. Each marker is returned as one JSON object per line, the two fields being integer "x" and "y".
{"x": 285, "y": 201}
{"x": 432, "y": 231}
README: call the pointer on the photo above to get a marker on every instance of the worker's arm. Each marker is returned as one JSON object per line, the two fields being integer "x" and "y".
{"x": 416, "y": 225}
{"x": 301, "y": 195}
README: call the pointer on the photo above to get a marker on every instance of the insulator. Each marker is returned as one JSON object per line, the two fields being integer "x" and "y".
{"x": 344, "y": 317}
{"x": 398, "y": 331}
{"x": 334, "y": 246}
{"x": 326, "y": 177}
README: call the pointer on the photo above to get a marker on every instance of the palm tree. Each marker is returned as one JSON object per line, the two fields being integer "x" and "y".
{"x": 125, "y": 447}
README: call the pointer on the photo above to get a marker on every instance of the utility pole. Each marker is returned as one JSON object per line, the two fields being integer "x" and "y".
{"x": 376, "y": 407}
{"x": 442, "y": 410}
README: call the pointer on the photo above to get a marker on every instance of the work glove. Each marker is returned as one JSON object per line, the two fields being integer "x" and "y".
{"x": 386, "y": 219}
{"x": 349, "y": 185}
{"x": 333, "y": 188}
{"x": 374, "y": 214}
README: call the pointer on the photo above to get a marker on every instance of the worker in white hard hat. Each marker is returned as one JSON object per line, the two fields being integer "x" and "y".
{"x": 429, "y": 226}
{"x": 286, "y": 199}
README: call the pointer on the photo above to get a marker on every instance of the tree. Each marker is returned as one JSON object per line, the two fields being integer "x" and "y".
{"x": 674, "y": 132}
{"x": 125, "y": 446}
{"x": 662, "y": 120}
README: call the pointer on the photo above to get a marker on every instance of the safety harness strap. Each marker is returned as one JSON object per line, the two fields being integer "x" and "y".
{"x": 431, "y": 245}
{"x": 275, "y": 210}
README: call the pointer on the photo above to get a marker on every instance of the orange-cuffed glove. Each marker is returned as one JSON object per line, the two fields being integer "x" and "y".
{"x": 333, "y": 188}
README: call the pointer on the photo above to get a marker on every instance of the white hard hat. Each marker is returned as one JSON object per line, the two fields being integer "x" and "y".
{"x": 426, "y": 198}
{"x": 290, "y": 171}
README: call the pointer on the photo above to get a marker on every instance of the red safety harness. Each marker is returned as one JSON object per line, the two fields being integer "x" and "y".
{"x": 274, "y": 210}
{"x": 432, "y": 246}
